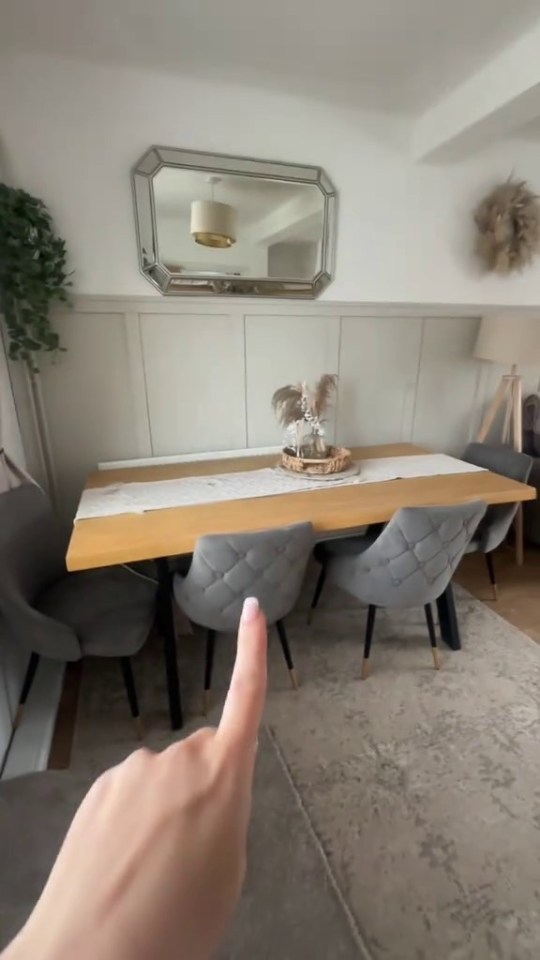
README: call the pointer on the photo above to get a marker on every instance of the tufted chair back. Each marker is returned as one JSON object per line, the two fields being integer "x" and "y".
{"x": 227, "y": 568}
{"x": 412, "y": 561}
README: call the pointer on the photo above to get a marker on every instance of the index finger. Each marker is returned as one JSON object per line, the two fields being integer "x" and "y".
{"x": 241, "y": 717}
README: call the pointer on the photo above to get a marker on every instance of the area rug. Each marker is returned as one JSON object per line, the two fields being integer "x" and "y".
{"x": 421, "y": 788}
{"x": 291, "y": 908}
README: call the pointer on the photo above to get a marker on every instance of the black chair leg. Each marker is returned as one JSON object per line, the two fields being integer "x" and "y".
{"x": 432, "y": 635}
{"x": 129, "y": 683}
{"x": 448, "y": 621}
{"x": 491, "y": 573}
{"x": 280, "y": 626}
{"x": 26, "y": 687}
{"x": 318, "y": 590}
{"x": 208, "y": 668}
{"x": 372, "y": 610}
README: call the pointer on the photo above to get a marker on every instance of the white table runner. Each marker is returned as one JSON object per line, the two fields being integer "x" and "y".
{"x": 269, "y": 482}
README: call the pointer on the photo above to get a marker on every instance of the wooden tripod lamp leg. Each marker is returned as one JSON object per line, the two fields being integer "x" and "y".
{"x": 493, "y": 410}
{"x": 517, "y": 403}
{"x": 509, "y": 391}
{"x": 509, "y": 414}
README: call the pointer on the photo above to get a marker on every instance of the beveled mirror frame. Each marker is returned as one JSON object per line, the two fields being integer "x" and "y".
{"x": 181, "y": 284}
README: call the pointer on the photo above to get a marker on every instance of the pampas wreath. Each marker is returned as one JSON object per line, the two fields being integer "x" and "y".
{"x": 508, "y": 222}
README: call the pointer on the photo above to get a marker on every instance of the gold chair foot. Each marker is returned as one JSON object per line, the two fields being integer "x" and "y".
{"x": 207, "y": 702}
{"x": 139, "y": 727}
{"x": 436, "y": 658}
{"x": 365, "y": 669}
{"x": 294, "y": 679}
{"x": 495, "y": 591}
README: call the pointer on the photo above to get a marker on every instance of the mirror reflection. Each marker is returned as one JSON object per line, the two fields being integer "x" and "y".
{"x": 232, "y": 225}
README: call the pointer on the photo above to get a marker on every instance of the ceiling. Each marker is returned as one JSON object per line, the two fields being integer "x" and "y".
{"x": 253, "y": 198}
{"x": 396, "y": 55}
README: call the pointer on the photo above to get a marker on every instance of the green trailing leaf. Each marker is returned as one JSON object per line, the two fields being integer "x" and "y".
{"x": 32, "y": 274}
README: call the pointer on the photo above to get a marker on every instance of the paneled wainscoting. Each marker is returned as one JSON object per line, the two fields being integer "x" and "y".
{"x": 161, "y": 376}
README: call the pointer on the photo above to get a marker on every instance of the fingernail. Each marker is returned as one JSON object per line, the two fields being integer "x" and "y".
{"x": 250, "y": 610}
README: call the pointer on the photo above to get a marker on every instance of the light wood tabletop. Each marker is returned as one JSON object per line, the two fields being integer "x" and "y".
{"x": 105, "y": 541}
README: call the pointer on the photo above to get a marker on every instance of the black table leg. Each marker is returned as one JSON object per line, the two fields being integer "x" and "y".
{"x": 165, "y": 623}
{"x": 448, "y": 619}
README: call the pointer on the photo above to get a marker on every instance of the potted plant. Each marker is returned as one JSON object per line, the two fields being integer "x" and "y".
{"x": 32, "y": 274}
{"x": 301, "y": 411}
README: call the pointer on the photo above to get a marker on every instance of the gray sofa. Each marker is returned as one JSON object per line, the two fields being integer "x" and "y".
{"x": 532, "y": 508}
{"x": 531, "y": 445}
{"x": 35, "y": 812}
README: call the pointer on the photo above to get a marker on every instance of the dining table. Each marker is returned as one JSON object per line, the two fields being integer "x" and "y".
{"x": 162, "y": 534}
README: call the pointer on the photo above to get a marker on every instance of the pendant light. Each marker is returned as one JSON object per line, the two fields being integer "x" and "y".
{"x": 213, "y": 223}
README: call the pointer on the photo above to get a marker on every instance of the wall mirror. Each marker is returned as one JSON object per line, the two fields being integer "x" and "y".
{"x": 213, "y": 224}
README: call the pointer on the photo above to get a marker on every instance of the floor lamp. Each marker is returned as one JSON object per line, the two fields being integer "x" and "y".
{"x": 509, "y": 339}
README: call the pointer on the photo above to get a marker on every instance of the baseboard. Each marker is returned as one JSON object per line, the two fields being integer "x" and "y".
{"x": 31, "y": 743}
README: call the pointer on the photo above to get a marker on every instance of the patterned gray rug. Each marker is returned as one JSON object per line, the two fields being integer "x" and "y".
{"x": 421, "y": 789}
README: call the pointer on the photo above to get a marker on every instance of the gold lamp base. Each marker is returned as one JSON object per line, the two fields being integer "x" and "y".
{"x": 213, "y": 240}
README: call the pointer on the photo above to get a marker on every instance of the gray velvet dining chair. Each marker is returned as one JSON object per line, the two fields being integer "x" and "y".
{"x": 498, "y": 519}
{"x": 226, "y": 568}
{"x": 409, "y": 564}
{"x": 60, "y": 615}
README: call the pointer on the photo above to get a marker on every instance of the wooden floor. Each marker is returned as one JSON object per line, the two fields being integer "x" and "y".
{"x": 519, "y": 587}
{"x": 66, "y": 718}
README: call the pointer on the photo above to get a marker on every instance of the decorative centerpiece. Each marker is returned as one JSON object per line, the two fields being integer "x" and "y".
{"x": 301, "y": 411}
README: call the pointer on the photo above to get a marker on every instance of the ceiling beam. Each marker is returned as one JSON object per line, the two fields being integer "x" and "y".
{"x": 289, "y": 218}
{"x": 501, "y": 97}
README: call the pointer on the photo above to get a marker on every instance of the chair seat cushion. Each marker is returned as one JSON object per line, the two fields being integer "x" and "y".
{"x": 110, "y": 610}
{"x": 475, "y": 545}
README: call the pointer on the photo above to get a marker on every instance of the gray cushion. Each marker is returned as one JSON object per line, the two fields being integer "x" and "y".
{"x": 110, "y": 610}
{"x": 498, "y": 519}
{"x": 412, "y": 561}
{"x": 55, "y": 614}
{"x": 32, "y": 550}
{"x": 35, "y": 812}
{"x": 269, "y": 565}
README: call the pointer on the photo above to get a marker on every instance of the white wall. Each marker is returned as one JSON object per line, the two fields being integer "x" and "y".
{"x": 72, "y": 131}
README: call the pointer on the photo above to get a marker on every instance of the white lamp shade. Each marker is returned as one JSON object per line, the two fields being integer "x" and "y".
{"x": 213, "y": 223}
{"x": 508, "y": 338}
